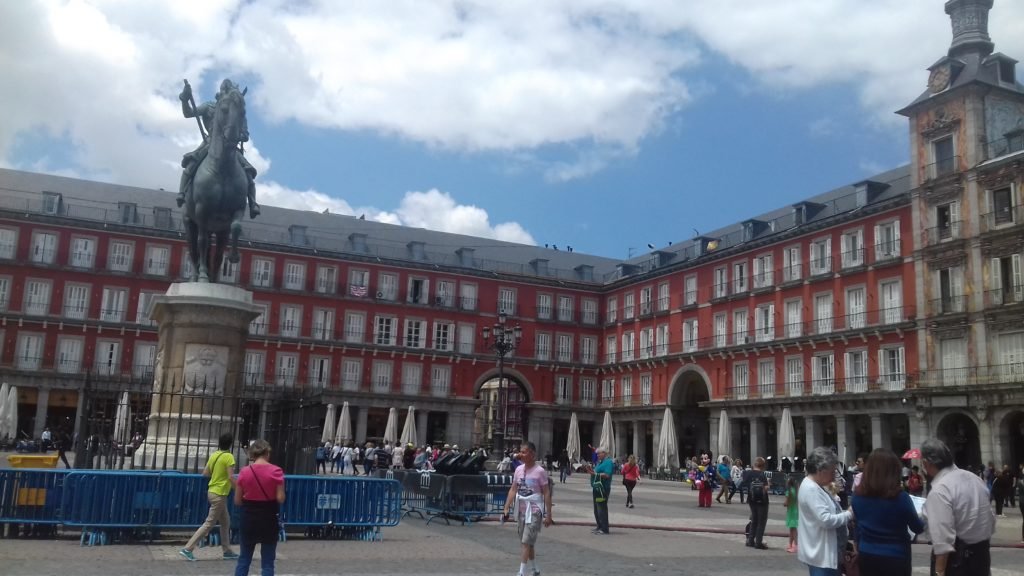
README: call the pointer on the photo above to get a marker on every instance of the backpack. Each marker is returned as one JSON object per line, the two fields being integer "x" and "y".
{"x": 758, "y": 490}
{"x": 320, "y": 453}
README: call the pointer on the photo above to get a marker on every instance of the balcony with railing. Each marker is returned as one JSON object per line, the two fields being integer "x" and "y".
{"x": 1004, "y": 218}
{"x": 887, "y": 251}
{"x": 1005, "y": 297}
{"x": 1005, "y": 146}
{"x": 690, "y": 299}
{"x": 853, "y": 258}
{"x": 943, "y": 233}
{"x": 821, "y": 266}
{"x": 792, "y": 273}
{"x": 1012, "y": 373}
{"x": 764, "y": 280}
{"x": 942, "y": 168}
{"x": 947, "y": 305}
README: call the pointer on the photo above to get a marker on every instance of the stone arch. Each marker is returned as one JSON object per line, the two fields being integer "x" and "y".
{"x": 959, "y": 430}
{"x": 1011, "y": 431}
{"x": 683, "y": 379}
{"x": 689, "y": 388}
{"x": 512, "y": 374}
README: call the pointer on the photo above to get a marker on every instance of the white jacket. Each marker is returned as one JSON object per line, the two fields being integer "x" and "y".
{"x": 819, "y": 527}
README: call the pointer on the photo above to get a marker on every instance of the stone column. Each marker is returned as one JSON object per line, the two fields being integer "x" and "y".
{"x": 621, "y": 448}
{"x": 656, "y": 433}
{"x": 362, "y": 413}
{"x": 713, "y": 440}
{"x": 596, "y": 440}
{"x": 813, "y": 433}
{"x": 421, "y": 426}
{"x": 985, "y": 435}
{"x": 919, "y": 431}
{"x": 845, "y": 451}
{"x": 756, "y": 440}
{"x": 42, "y": 403}
{"x": 876, "y": 431}
{"x": 203, "y": 329}
{"x": 638, "y": 441}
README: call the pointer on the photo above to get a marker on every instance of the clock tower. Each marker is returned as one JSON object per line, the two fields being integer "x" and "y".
{"x": 967, "y": 171}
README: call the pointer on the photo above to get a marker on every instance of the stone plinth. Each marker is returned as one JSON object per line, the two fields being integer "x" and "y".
{"x": 198, "y": 373}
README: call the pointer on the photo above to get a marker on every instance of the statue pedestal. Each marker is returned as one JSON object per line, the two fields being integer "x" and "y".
{"x": 198, "y": 373}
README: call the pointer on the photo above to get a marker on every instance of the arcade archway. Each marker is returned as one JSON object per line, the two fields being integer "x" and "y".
{"x": 488, "y": 414}
{"x": 689, "y": 389}
{"x": 1012, "y": 433}
{"x": 960, "y": 433}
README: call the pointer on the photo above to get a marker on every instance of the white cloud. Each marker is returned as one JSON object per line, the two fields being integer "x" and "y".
{"x": 469, "y": 75}
{"x": 433, "y": 210}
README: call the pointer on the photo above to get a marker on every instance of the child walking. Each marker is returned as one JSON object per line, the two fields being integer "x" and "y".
{"x": 792, "y": 511}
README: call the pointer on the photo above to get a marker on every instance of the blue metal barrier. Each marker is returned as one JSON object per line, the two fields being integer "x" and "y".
{"x": 341, "y": 505}
{"x": 31, "y": 498}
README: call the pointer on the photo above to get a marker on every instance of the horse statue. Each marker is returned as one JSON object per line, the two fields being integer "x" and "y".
{"x": 218, "y": 181}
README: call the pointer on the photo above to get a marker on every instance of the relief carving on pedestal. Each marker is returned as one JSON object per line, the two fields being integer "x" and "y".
{"x": 158, "y": 371}
{"x": 206, "y": 368}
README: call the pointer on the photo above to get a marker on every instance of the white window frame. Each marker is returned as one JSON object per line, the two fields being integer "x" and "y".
{"x": 646, "y": 398}
{"x": 626, "y": 383}
{"x": 142, "y": 308}
{"x": 563, "y": 390}
{"x": 741, "y": 380}
{"x": 691, "y": 335}
{"x": 144, "y": 360}
{"x": 294, "y": 275}
{"x": 563, "y": 347}
{"x": 351, "y": 374}
{"x": 382, "y": 376}
{"x": 385, "y": 328}
{"x": 158, "y": 259}
{"x": 690, "y": 290}
{"x": 83, "y": 252}
{"x": 661, "y": 340}
{"x": 628, "y": 306}
{"x": 856, "y": 307}
{"x": 258, "y": 325}
{"x": 326, "y": 279}
{"x": 421, "y": 296}
{"x": 507, "y": 301}
{"x": 108, "y": 357}
{"x": 255, "y": 368}
{"x": 355, "y": 327}
{"x": 412, "y": 378}
{"x": 544, "y": 306}
{"x": 887, "y": 240}
{"x": 543, "y": 351}
{"x": 824, "y": 323}
{"x": 740, "y": 277}
{"x": 76, "y": 300}
{"x": 29, "y": 351}
{"x": 766, "y": 378}
{"x": 740, "y": 327}
{"x": 721, "y": 328}
{"x": 792, "y": 263}
{"x": 440, "y": 380}
{"x": 588, "y": 350}
{"x": 853, "y": 248}
{"x": 612, "y": 309}
{"x": 566, "y": 306}
{"x": 445, "y": 294}
{"x": 855, "y": 367}
{"x": 387, "y": 286}
{"x": 645, "y": 301}
{"x": 628, "y": 346}
{"x": 262, "y": 274}
{"x": 290, "y": 321}
{"x": 287, "y": 369}
{"x": 44, "y": 247}
{"x": 821, "y": 256}
{"x": 589, "y": 306}
{"x": 823, "y": 374}
{"x": 764, "y": 274}
{"x": 892, "y": 368}
{"x": 794, "y": 310}
{"x": 8, "y": 243}
{"x": 415, "y": 333}
{"x": 444, "y": 336}
{"x": 70, "y": 351}
{"x": 721, "y": 285}
{"x": 468, "y": 296}
{"x": 323, "y": 323}
{"x": 36, "y": 300}
{"x": 588, "y": 392}
{"x": 466, "y": 334}
{"x": 120, "y": 255}
{"x": 795, "y": 375}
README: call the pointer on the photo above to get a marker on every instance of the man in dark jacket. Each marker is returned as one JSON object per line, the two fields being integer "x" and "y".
{"x": 755, "y": 482}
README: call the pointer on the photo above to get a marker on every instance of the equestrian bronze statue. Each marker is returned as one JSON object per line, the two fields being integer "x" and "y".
{"x": 218, "y": 182}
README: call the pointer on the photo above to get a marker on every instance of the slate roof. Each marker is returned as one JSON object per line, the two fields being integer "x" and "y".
{"x": 98, "y": 201}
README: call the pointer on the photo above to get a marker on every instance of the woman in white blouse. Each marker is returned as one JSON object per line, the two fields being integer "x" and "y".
{"x": 821, "y": 532}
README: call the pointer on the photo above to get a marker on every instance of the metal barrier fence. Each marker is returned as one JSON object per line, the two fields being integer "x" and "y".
{"x": 115, "y": 506}
{"x": 31, "y": 498}
{"x": 464, "y": 497}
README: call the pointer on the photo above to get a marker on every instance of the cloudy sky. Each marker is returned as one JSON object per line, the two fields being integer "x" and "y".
{"x": 601, "y": 124}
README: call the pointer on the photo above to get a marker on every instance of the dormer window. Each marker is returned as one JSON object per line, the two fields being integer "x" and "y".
{"x": 417, "y": 250}
{"x": 51, "y": 203}
{"x": 465, "y": 257}
{"x": 585, "y": 273}
{"x": 297, "y": 235}
{"x": 128, "y": 211}
{"x": 540, "y": 266}
{"x": 1007, "y": 71}
{"x": 357, "y": 242}
{"x": 162, "y": 217}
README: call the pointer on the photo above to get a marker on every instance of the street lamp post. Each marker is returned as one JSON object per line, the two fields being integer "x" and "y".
{"x": 502, "y": 341}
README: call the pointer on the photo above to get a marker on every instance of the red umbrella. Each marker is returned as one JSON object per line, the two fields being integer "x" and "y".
{"x": 912, "y": 454}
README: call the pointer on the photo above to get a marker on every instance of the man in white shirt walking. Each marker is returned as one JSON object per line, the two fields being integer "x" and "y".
{"x": 960, "y": 520}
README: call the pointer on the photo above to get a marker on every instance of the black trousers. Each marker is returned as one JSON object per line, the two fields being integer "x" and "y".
{"x": 872, "y": 565}
{"x": 758, "y": 521}
{"x": 968, "y": 560}
{"x": 629, "y": 484}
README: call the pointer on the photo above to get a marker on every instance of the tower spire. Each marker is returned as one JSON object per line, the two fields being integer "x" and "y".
{"x": 970, "y": 27}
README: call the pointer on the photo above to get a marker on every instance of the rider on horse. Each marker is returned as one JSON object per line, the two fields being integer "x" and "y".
{"x": 193, "y": 159}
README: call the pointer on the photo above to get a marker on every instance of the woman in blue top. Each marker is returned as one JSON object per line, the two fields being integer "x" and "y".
{"x": 884, "y": 512}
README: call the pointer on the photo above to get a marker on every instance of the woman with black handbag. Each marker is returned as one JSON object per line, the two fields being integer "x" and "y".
{"x": 259, "y": 494}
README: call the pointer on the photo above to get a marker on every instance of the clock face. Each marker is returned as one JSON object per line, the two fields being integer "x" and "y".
{"x": 939, "y": 79}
